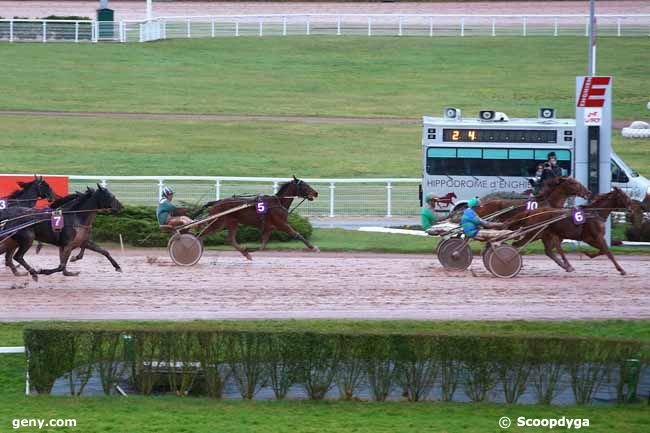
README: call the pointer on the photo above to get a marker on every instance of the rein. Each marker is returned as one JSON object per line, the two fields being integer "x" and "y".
{"x": 43, "y": 213}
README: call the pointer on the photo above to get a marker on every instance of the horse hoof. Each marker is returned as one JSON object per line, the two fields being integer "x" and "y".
{"x": 316, "y": 249}
{"x": 623, "y": 273}
{"x": 118, "y": 269}
{"x": 35, "y": 277}
{"x": 70, "y": 274}
{"x": 570, "y": 269}
{"x": 74, "y": 259}
{"x": 20, "y": 274}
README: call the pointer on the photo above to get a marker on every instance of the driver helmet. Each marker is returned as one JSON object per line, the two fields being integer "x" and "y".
{"x": 430, "y": 197}
{"x": 167, "y": 191}
{"x": 473, "y": 202}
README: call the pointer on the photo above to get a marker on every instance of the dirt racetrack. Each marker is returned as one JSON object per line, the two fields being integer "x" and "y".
{"x": 327, "y": 285}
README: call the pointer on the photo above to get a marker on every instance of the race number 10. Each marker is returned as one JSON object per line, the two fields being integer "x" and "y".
{"x": 531, "y": 205}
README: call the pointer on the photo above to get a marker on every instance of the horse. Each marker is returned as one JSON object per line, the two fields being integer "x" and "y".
{"x": 79, "y": 211}
{"x": 266, "y": 212}
{"x": 554, "y": 193}
{"x": 29, "y": 193}
{"x": 591, "y": 231}
{"x": 26, "y": 196}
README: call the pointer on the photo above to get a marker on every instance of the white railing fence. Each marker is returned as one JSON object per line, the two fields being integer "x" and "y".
{"x": 336, "y": 197}
{"x": 14, "y": 30}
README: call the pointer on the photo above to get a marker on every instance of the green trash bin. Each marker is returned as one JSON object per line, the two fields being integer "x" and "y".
{"x": 105, "y": 24}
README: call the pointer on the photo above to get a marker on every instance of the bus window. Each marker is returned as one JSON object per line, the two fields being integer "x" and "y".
{"x": 521, "y": 154}
{"x": 495, "y": 154}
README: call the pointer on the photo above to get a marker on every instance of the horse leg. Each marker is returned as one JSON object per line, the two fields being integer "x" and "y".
{"x": 23, "y": 246}
{"x": 548, "y": 250}
{"x": 232, "y": 238}
{"x": 285, "y": 227}
{"x": 92, "y": 246}
{"x": 64, "y": 256}
{"x": 557, "y": 245}
{"x": 601, "y": 245}
{"x": 83, "y": 250}
{"x": 9, "y": 250}
{"x": 266, "y": 234}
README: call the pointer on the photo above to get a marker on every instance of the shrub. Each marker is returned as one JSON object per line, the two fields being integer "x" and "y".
{"x": 139, "y": 227}
{"x": 190, "y": 359}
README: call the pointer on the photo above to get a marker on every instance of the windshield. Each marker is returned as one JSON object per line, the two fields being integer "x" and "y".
{"x": 624, "y": 166}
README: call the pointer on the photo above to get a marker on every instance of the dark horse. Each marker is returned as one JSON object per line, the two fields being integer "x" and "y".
{"x": 267, "y": 212}
{"x": 554, "y": 193}
{"x": 592, "y": 231}
{"x": 29, "y": 193}
{"x": 27, "y": 196}
{"x": 79, "y": 211}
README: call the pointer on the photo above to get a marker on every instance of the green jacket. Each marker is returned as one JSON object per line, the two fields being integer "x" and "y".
{"x": 164, "y": 209}
{"x": 427, "y": 217}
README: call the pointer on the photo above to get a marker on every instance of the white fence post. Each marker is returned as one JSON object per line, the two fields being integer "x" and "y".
{"x": 164, "y": 29}
{"x": 217, "y": 188}
{"x": 338, "y": 26}
{"x": 261, "y": 23}
{"x": 308, "y": 29}
{"x": 430, "y": 26}
{"x": 399, "y": 33}
{"x": 161, "y": 184}
{"x": 11, "y": 30}
{"x": 212, "y": 31}
{"x": 494, "y": 26}
{"x": 141, "y": 33}
{"x": 332, "y": 188}
{"x": 389, "y": 188}
{"x": 369, "y": 26}
{"x": 618, "y": 27}
{"x": 587, "y": 28}
{"x": 462, "y": 26}
{"x": 284, "y": 26}
{"x": 189, "y": 29}
{"x": 525, "y": 23}
{"x": 76, "y": 31}
{"x": 275, "y": 187}
{"x": 44, "y": 31}
{"x": 236, "y": 28}
{"x": 122, "y": 31}
{"x": 555, "y": 32}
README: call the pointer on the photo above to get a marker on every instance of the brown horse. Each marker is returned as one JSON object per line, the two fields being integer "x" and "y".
{"x": 266, "y": 212}
{"x": 591, "y": 230}
{"x": 554, "y": 193}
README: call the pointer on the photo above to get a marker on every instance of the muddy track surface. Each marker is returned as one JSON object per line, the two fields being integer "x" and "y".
{"x": 325, "y": 285}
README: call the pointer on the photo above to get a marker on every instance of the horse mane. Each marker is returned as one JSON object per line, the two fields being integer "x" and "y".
{"x": 283, "y": 187}
{"x": 17, "y": 193}
{"x": 503, "y": 195}
{"x": 73, "y": 199}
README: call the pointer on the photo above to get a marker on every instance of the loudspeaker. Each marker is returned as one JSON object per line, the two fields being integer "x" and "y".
{"x": 452, "y": 113}
{"x": 486, "y": 115}
{"x": 547, "y": 113}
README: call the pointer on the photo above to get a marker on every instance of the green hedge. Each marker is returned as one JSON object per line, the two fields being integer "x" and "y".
{"x": 139, "y": 227}
{"x": 638, "y": 232}
{"x": 204, "y": 359}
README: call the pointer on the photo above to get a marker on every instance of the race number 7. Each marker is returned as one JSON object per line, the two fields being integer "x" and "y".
{"x": 3, "y": 204}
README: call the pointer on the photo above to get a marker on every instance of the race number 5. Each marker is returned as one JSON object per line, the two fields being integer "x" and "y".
{"x": 260, "y": 207}
{"x": 531, "y": 205}
{"x": 3, "y": 203}
{"x": 578, "y": 216}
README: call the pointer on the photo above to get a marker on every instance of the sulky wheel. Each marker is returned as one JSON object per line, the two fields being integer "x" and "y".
{"x": 455, "y": 254}
{"x": 441, "y": 243}
{"x": 185, "y": 249}
{"x": 485, "y": 255}
{"x": 505, "y": 261}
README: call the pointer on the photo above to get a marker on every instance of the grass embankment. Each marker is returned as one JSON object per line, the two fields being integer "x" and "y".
{"x": 173, "y": 414}
{"x": 351, "y": 76}
{"x": 127, "y": 147}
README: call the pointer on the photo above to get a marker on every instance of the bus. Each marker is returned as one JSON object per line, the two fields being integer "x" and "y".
{"x": 465, "y": 158}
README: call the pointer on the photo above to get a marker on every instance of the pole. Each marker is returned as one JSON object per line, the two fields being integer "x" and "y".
{"x": 149, "y": 9}
{"x": 591, "y": 49}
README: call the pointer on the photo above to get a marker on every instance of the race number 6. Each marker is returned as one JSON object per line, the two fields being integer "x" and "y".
{"x": 531, "y": 205}
{"x": 3, "y": 204}
{"x": 578, "y": 217}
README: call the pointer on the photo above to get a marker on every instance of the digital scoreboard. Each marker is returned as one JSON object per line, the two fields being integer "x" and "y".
{"x": 471, "y": 135}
